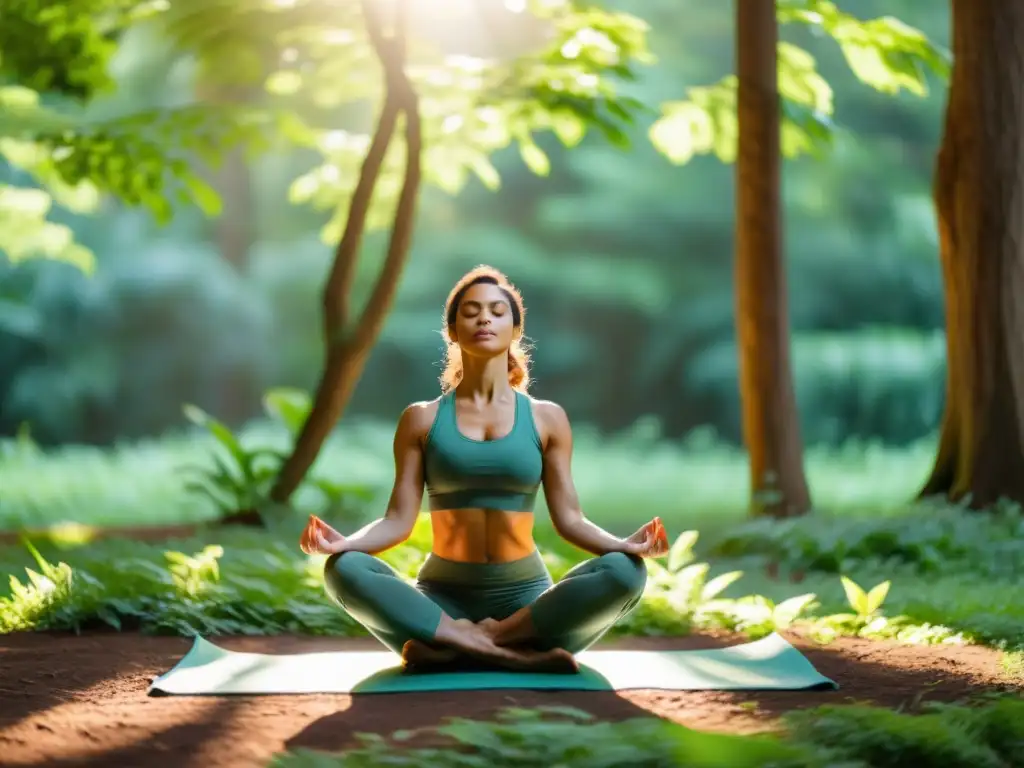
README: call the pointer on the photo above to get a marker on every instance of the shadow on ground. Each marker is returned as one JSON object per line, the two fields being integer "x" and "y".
{"x": 85, "y": 701}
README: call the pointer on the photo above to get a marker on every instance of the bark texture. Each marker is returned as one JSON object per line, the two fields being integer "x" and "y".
{"x": 348, "y": 344}
{"x": 771, "y": 429}
{"x": 979, "y": 201}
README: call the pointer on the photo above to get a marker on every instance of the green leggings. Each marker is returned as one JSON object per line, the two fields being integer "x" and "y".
{"x": 572, "y": 614}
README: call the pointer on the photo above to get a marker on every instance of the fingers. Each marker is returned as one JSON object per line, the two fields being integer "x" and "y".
{"x": 310, "y": 534}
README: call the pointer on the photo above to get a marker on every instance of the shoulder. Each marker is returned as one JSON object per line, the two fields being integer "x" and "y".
{"x": 551, "y": 418}
{"x": 417, "y": 418}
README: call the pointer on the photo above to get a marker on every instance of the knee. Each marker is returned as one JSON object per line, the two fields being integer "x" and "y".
{"x": 627, "y": 572}
{"x": 343, "y": 572}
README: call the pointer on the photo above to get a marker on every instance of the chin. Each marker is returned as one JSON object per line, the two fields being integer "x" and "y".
{"x": 485, "y": 347}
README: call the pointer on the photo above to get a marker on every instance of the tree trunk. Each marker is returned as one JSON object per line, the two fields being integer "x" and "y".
{"x": 348, "y": 346}
{"x": 979, "y": 201}
{"x": 771, "y": 429}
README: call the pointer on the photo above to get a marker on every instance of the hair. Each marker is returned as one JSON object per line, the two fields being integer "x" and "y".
{"x": 518, "y": 357}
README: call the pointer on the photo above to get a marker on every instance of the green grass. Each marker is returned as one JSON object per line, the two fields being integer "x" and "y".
{"x": 953, "y": 573}
{"x": 257, "y": 582}
{"x": 986, "y": 736}
{"x": 622, "y": 481}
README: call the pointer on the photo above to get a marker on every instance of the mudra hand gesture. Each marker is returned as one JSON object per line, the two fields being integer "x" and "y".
{"x": 649, "y": 541}
{"x": 319, "y": 538}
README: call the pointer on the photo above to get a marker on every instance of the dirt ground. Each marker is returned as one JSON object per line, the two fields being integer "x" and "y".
{"x": 81, "y": 700}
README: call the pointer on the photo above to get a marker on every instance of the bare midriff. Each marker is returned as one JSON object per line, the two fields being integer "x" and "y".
{"x": 482, "y": 535}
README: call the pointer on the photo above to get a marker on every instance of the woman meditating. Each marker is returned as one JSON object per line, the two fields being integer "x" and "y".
{"x": 482, "y": 450}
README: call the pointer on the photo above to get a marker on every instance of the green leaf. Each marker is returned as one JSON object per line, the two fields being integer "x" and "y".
{"x": 485, "y": 171}
{"x": 288, "y": 405}
{"x": 204, "y": 196}
{"x": 569, "y": 127}
{"x": 855, "y": 596}
{"x": 884, "y": 53}
{"x": 683, "y": 130}
{"x": 534, "y": 157}
{"x": 681, "y": 552}
{"x": 719, "y": 584}
{"x": 786, "y": 612}
{"x": 876, "y": 597}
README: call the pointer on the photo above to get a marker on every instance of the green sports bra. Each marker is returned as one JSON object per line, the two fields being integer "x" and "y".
{"x": 502, "y": 474}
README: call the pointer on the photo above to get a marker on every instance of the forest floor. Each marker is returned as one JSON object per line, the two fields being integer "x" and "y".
{"x": 82, "y": 700}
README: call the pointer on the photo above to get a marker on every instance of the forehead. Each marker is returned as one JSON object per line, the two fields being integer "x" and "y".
{"x": 484, "y": 293}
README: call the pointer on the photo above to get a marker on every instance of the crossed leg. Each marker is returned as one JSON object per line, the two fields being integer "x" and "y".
{"x": 576, "y": 612}
{"x": 414, "y": 626}
{"x": 570, "y": 616}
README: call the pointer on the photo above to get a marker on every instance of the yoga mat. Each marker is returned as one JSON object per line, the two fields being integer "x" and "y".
{"x": 770, "y": 663}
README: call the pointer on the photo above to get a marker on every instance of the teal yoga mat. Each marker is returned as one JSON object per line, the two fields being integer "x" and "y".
{"x": 770, "y": 663}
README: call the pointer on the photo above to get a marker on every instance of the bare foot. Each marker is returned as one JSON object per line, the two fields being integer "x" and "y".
{"x": 489, "y": 626}
{"x": 473, "y": 640}
{"x": 418, "y": 656}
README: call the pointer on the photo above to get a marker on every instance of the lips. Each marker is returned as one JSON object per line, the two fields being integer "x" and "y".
{"x": 482, "y": 335}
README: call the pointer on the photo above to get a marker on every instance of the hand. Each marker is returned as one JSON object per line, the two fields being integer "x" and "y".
{"x": 649, "y": 541}
{"x": 319, "y": 538}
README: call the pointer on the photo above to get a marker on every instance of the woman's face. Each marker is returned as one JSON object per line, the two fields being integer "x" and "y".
{"x": 483, "y": 323}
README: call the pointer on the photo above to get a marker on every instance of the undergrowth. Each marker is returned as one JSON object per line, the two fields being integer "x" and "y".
{"x": 952, "y": 573}
{"x": 944, "y": 736}
{"x": 623, "y": 479}
{"x": 253, "y": 582}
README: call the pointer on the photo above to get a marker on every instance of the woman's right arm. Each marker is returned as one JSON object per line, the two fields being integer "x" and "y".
{"x": 407, "y": 494}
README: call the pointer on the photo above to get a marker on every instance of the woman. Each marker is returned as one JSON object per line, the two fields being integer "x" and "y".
{"x": 482, "y": 450}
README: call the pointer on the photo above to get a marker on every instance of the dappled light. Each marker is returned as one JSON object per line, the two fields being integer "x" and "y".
{"x": 551, "y": 382}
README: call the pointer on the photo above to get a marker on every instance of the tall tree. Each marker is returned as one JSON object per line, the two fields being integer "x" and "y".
{"x": 778, "y": 105}
{"x": 771, "y": 428}
{"x": 456, "y": 105}
{"x": 348, "y": 343}
{"x": 979, "y": 200}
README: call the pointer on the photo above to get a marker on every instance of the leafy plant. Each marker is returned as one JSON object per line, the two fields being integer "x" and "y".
{"x": 683, "y": 583}
{"x": 241, "y": 476}
{"x": 986, "y": 736}
{"x": 555, "y": 736}
{"x": 865, "y": 604}
{"x": 190, "y": 574}
{"x": 28, "y": 602}
{"x": 931, "y": 538}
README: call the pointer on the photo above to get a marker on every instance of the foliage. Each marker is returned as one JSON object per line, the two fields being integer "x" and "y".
{"x": 149, "y": 158}
{"x": 884, "y": 53}
{"x": 621, "y": 479}
{"x": 862, "y": 736}
{"x": 255, "y": 583}
{"x": 931, "y": 540}
{"x": 657, "y": 297}
{"x": 56, "y": 60}
{"x": 472, "y": 106}
{"x": 241, "y": 475}
{"x": 950, "y": 735}
{"x": 555, "y": 736}
{"x": 229, "y": 588}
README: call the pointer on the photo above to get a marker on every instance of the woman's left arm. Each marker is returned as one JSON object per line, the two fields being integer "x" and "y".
{"x": 560, "y": 490}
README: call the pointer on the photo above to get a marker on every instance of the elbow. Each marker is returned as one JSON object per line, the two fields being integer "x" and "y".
{"x": 404, "y": 527}
{"x": 567, "y": 526}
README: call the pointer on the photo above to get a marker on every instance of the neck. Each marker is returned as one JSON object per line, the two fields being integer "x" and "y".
{"x": 485, "y": 379}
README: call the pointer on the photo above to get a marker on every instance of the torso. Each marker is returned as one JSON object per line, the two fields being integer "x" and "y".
{"x": 493, "y": 454}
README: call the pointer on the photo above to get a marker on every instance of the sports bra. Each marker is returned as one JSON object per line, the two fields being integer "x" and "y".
{"x": 502, "y": 474}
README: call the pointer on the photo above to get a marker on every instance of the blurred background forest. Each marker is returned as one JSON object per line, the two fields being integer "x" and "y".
{"x": 624, "y": 259}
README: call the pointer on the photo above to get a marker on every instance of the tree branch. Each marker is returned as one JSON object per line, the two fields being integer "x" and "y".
{"x": 401, "y": 232}
{"x": 337, "y": 291}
